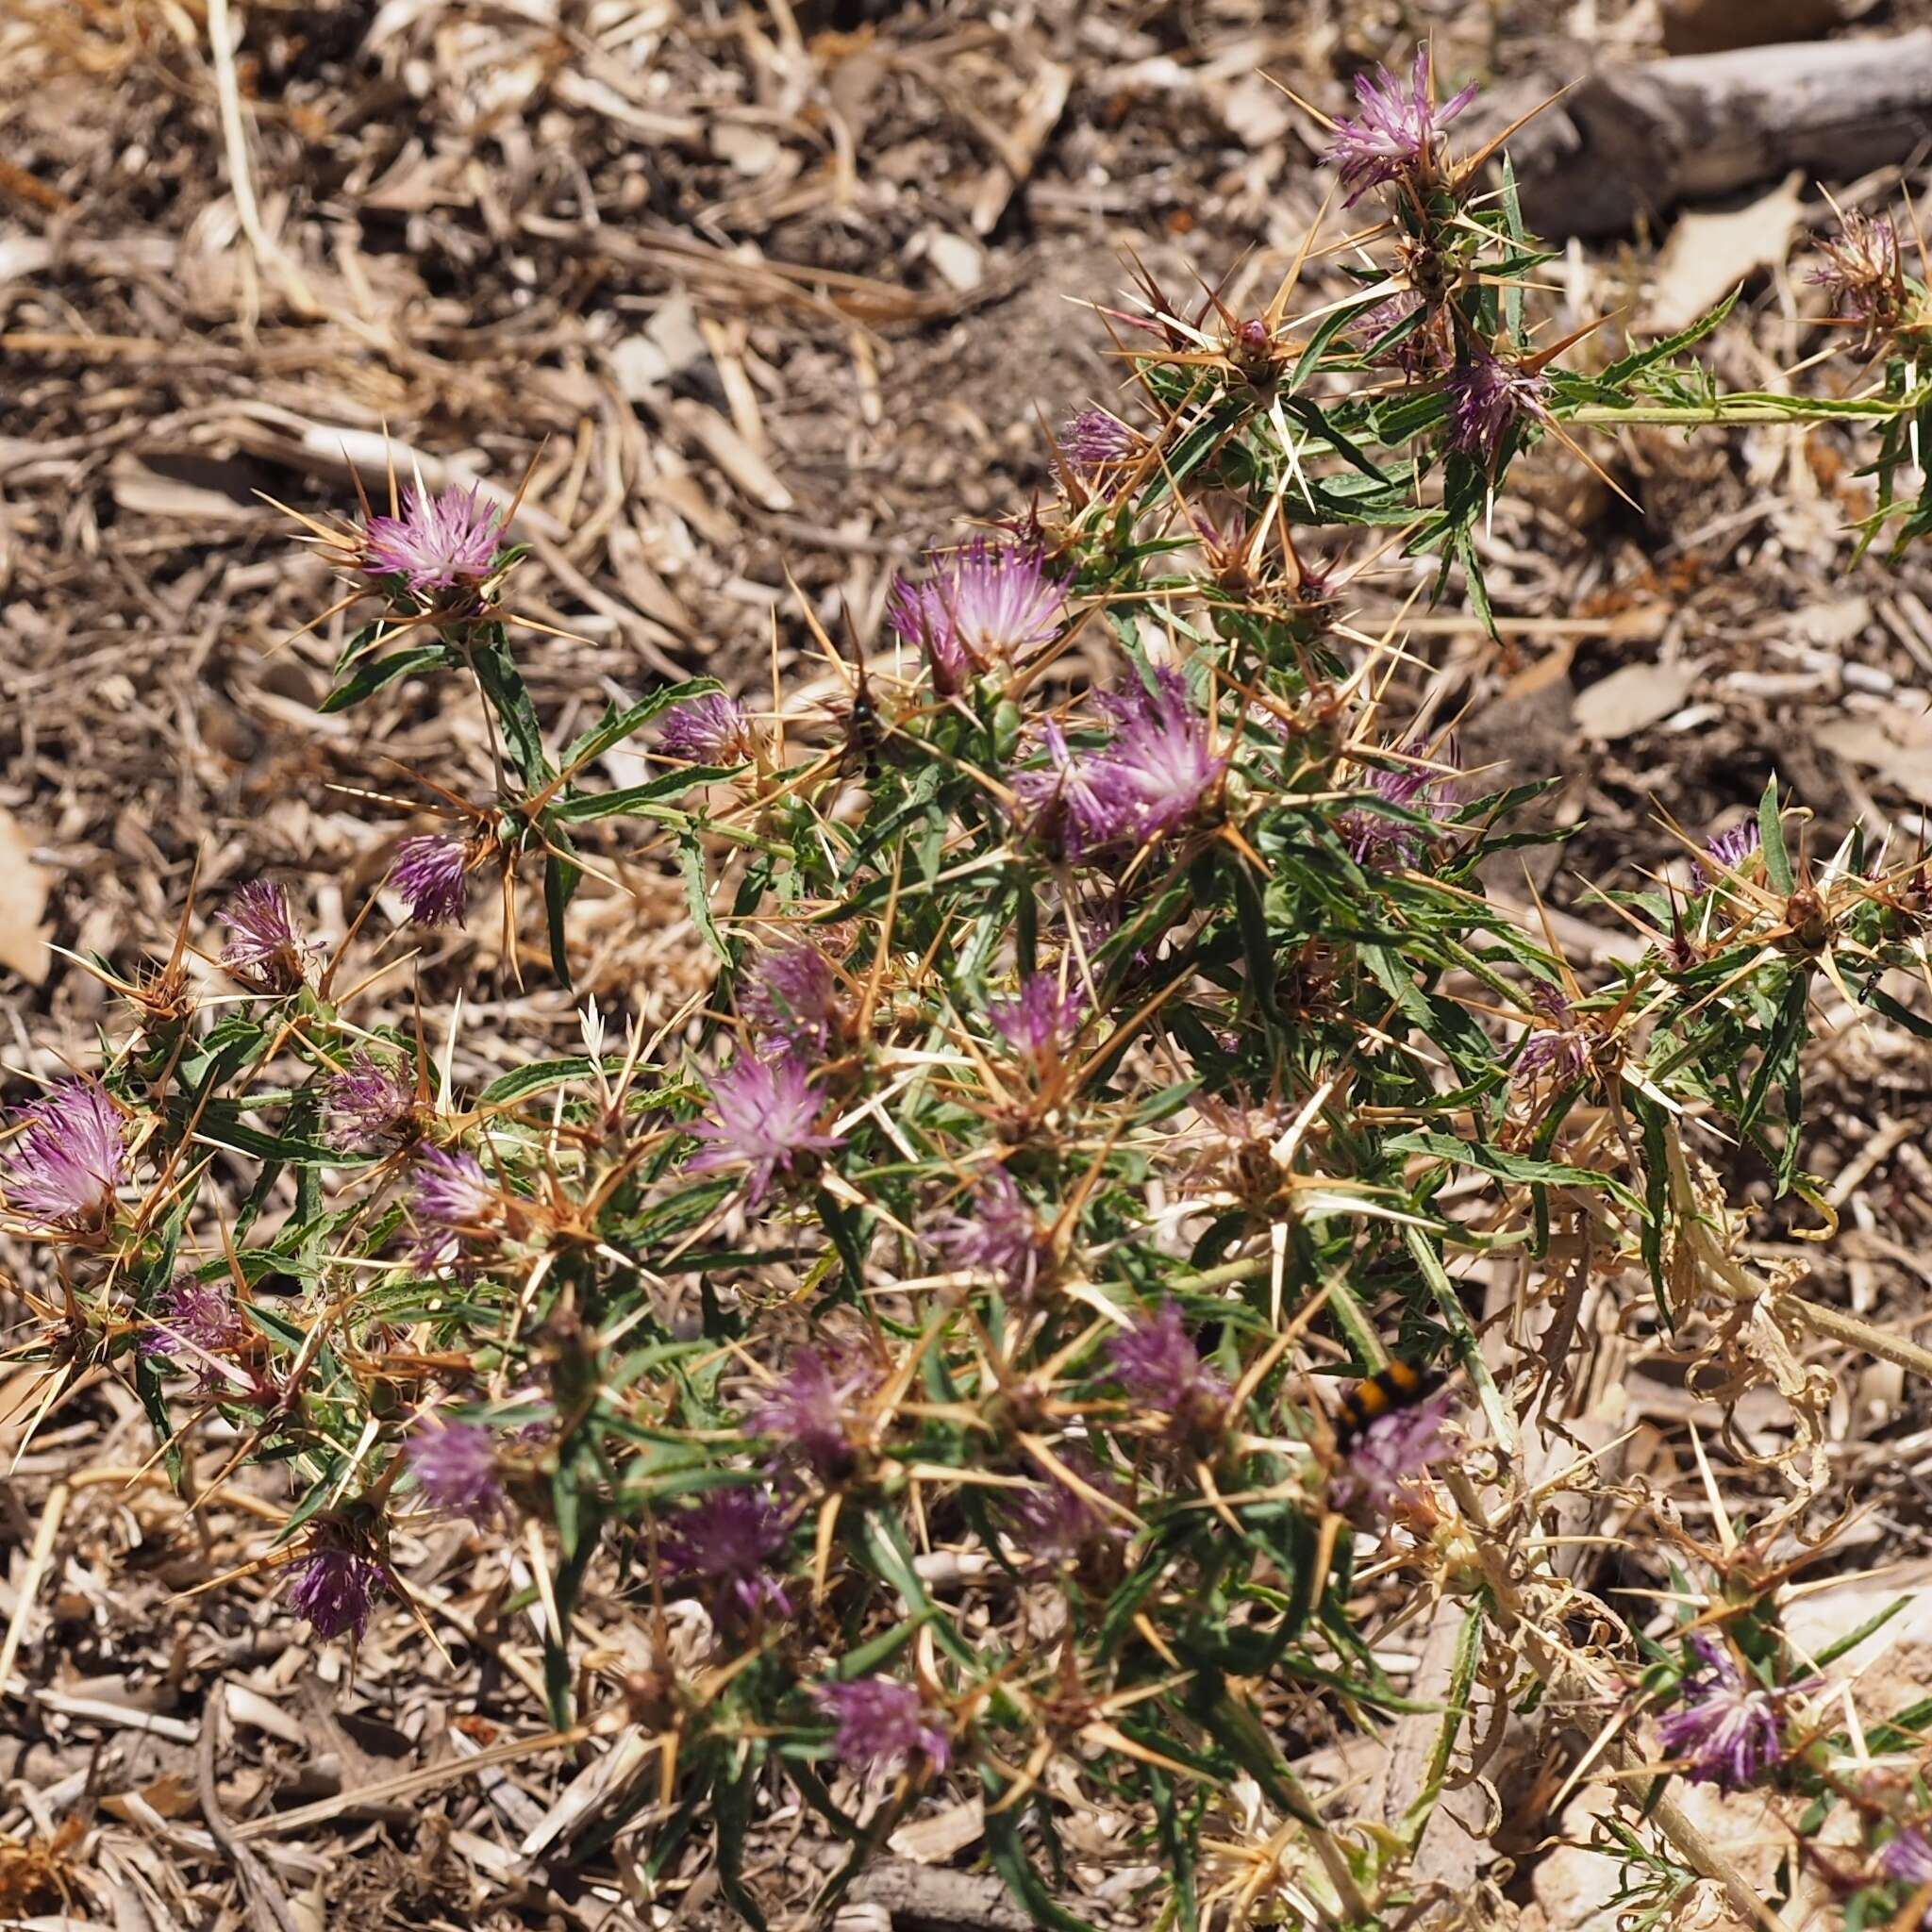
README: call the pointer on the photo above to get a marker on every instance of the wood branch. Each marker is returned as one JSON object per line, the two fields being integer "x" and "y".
{"x": 1636, "y": 141}
{"x": 930, "y": 1898}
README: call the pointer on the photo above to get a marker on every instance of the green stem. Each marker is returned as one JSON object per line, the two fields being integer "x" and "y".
{"x": 1722, "y": 411}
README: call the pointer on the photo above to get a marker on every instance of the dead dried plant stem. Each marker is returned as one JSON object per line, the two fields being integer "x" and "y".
{"x": 241, "y": 177}
{"x": 1573, "y": 1687}
{"x": 37, "y": 1560}
{"x": 1733, "y": 1278}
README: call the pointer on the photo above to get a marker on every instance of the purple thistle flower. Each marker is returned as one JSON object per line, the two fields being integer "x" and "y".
{"x": 454, "y": 1465}
{"x": 1054, "y": 1525}
{"x": 267, "y": 947}
{"x": 1861, "y": 272}
{"x": 881, "y": 1723}
{"x": 372, "y": 1097}
{"x": 1001, "y": 1236}
{"x": 1487, "y": 399}
{"x": 766, "y": 1115}
{"x": 1158, "y": 1364}
{"x": 335, "y": 1585}
{"x": 1039, "y": 1020}
{"x": 1728, "y": 850}
{"x": 790, "y": 998}
{"x": 1908, "y": 1856}
{"x": 983, "y": 605}
{"x": 1396, "y": 132}
{"x": 452, "y": 1199}
{"x": 727, "y": 1538}
{"x": 711, "y": 730}
{"x": 1727, "y": 1727}
{"x": 199, "y": 1321}
{"x": 1417, "y": 353}
{"x": 1398, "y": 1445}
{"x": 1560, "y": 1047}
{"x": 1095, "y": 441}
{"x": 437, "y": 543}
{"x": 1060, "y": 804}
{"x": 1157, "y": 769}
{"x": 810, "y": 1408}
{"x": 71, "y": 1156}
{"x": 1424, "y": 786}
{"x": 429, "y": 875}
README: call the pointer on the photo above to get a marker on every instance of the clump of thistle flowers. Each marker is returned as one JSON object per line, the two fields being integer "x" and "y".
{"x": 925, "y": 1343}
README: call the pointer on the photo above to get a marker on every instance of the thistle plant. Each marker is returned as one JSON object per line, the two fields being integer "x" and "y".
{"x": 1096, "y": 1081}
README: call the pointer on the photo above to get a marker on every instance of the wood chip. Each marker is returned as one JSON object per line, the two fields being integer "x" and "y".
{"x": 23, "y": 888}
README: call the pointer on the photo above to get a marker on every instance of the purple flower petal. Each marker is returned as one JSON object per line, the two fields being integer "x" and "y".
{"x": 726, "y": 1540}
{"x": 455, "y": 1466}
{"x": 982, "y": 606}
{"x": 1488, "y": 398}
{"x": 439, "y": 542}
{"x": 267, "y": 947}
{"x": 429, "y": 876}
{"x": 1395, "y": 132}
{"x": 335, "y": 1585}
{"x": 765, "y": 1119}
{"x": 881, "y": 1723}
{"x": 69, "y": 1159}
{"x": 1158, "y": 1364}
{"x": 999, "y": 1235}
{"x": 711, "y": 731}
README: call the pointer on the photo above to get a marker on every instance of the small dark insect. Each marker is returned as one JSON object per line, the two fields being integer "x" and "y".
{"x": 1401, "y": 1385}
{"x": 863, "y": 730}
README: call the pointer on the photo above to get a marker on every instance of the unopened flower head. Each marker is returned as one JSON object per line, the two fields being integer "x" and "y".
{"x": 372, "y": 1098}
{"x": 1560, "y": 1047}
{"x": 1094, "y": 440}
{"x": 1039, "y": 1021}
{"x": 335, "y": 1585}
{"x": 711, "y": 730}
{"x": 727, "y": 1540}
{"x": 428, "y": 875}
{"x": 1156, "y": 1361}
{"x": 982, "y": 606}
{"x": 69, "y": 1157}
{"x": 1424, "y": 784}
{"x": 1861, "y": 273}
{"x": 881, "y": 1725}
{"x": 267, "y": 947}
{"x": 1727, "y": 1727}
{"x": 455, "y": 1466}
{"x": 765, "y": 1119}
{"x": 1488, "y": 398}
{"x": 1397, "y": 132}
{"x": 812, "y": 1408}
{"x": 791, "y": 999}
{"x": 440, "y": 543}
{"x": 1395, "y": 1448}
{"x": 998, "y": 1234}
